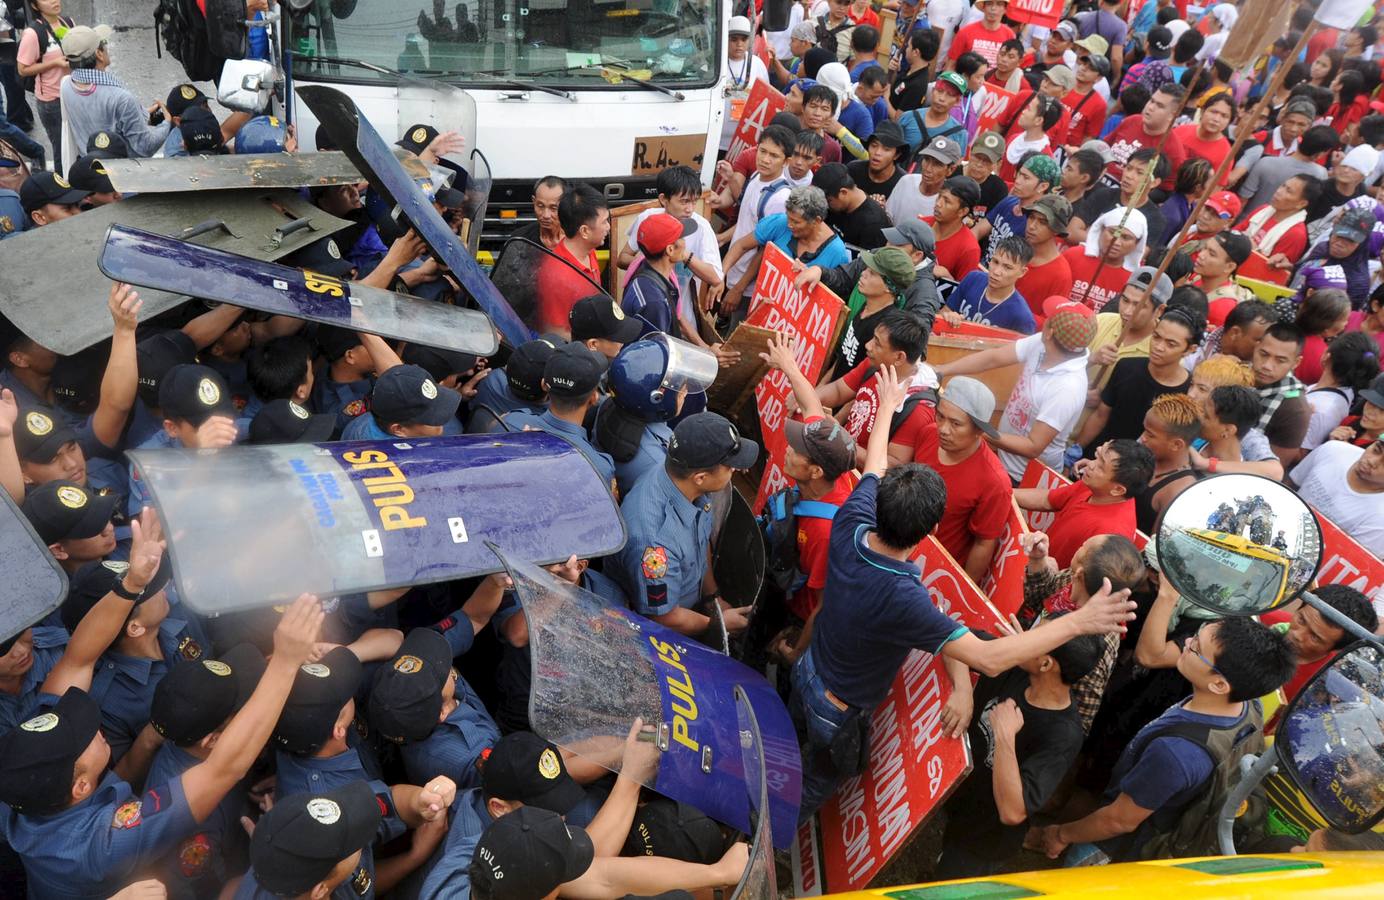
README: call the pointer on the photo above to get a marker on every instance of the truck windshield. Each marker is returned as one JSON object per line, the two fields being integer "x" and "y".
{"x": 583, "y": 43}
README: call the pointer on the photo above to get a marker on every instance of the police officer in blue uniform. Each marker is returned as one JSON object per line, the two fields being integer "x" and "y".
{"x": 312, "y": 845}
{"x": 664, "y": 565}
{"x": 285, "y": 422}
{"x": 420, "y": 702}
{"x": 572, "y": 377}
{"x": 191, "y": 707}
{"x": 650, "y": 382}
{"x": 73, "y": 521}
{"x": 599, "y": 323}
{"x": 342, "y": 386}
{"x": 516, "y": 387}
{"x": 321, "y": 749}
{"x": 157, "y": 355}
{"x": 12, "y": 216}
{"x": 25, "y": 661}
{"x": 406, "y": 402}
{"x": 79, "y": 828}
{"x": 49, "y": 450}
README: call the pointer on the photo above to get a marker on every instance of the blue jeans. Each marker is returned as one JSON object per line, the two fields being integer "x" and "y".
{"x": 817, "y": 721}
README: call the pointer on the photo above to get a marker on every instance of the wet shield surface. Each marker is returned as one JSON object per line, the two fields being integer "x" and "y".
{"x": 758, "y": 882}
{"x": 597, "y": 668}
{"x": 265, "y": 225}
{"x": 34, "y": 583}
{"x": 540, "y": 286}
{"x": 338, "y": 114}
{"x": 249, "y": 170}
{"x": 150, "y": 260}
{"x": 356, "y": 516}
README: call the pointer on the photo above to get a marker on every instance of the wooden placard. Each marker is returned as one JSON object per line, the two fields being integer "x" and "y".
{"x": 733, "y": 387}
{"x": 621, "y": 218}
{"x": 657, "y": 152}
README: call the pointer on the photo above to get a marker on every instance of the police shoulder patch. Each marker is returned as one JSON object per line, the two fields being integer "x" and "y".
{"x": 354, "y": 408}
{"x": 193, "y": 855}
{"x": 655, "y": 562}
{"x": 361, "y": 882}
{"x": 188, "y": 648}
{"x": 128, "y": 815}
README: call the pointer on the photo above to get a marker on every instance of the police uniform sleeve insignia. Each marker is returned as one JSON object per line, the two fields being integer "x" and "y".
{"x": 6, "y": 224}
{"x": 189, "y": 649}
{"x": 655, "y": 563}
{"x": 127, "y": 815}
{"x": 193, "y": 855}
{"x": 361, "y": 882}
{"x": 354, "y": 408}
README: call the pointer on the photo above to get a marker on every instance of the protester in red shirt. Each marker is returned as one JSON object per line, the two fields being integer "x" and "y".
{"x": 1109, "y": 256}
{"x": 1146, "y": 130}
{"x": 1102, "y": 502}
{"x": 819, "y": 459}
{"x": 1352, "y": 102}
{"x": 1313, "y": 637}
{"x": 1049, "y": 274}
{"x": 1279, "y": 227}
{"x": 1205, "y": 138}
{"x": 862, "y": 12}
{"x": 958, "y": 251}
{"x": 978, "y": 488}
{"x": 984, "y": 37}
{"x": 1086, "y": 109}
{"x": 585, "y": 220}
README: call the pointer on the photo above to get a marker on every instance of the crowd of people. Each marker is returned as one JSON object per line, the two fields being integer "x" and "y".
{"x": 380, "y": 743}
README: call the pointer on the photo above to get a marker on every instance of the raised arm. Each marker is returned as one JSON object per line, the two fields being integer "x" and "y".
{"x": 11, "y": 476}
{"x": 121, "y": 380}
{"x": 1154, "y": 650}
{"x": 984, "y": 361}
{"x": 780, "y": 355}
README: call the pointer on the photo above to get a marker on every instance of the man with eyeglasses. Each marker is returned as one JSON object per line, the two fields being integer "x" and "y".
{"x": 1171, "y": 762}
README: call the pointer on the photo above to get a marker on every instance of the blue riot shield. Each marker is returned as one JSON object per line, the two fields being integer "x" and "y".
{"x": 758, "y": 882}
{"x": 151, "y": 260}
{"x": 597, "y": 668}
{"x": 252, "y": 526}
{"x": 1331, "y": 741}
{"x": 35, "y": 584}
{"x": 350, "y": 131}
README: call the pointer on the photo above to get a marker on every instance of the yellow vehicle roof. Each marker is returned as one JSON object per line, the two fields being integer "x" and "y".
{"x": 1285, "y": 875}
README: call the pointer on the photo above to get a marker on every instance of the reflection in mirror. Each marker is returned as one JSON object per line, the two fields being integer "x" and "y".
{"x": 1332, "y": 739}
{"x": 1239, "y": 544}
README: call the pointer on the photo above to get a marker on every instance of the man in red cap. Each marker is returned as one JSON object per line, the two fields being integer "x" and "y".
{"x": 652, "y": 291}
{"x": 1221, "y": 208}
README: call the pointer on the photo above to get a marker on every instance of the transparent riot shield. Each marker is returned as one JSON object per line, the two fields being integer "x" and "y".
{"x": 477, "y": 199}
{"x": 758, "y": 881}
{"x": 445, "y": 107}
{"x": 251, "y": 526}
{"x": 541, "y": 287}
{"x": 391, "y": 184}
{"x": 596, "y": 669}
{"x": 35, "y": 584}
{"x": 153, "y": 261}
{"x": 1331, "y": 741}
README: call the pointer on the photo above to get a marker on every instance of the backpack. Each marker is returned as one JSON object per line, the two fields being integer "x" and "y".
{"x": 765, "y": 195}
{"x": 829, "y": 38}
{"x": 181, "y": 29}
{"x": 45, "y": 40}
{"x": 910, "y": 403}
{"x": 780, "y": 523}
{"x": 1195, "y": 832}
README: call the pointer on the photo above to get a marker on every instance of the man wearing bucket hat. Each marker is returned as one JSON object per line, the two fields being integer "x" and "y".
{"x": 915, "y": 240}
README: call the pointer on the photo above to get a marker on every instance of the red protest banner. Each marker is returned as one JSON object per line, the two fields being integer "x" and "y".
{"x": 809, "y": 315}
{"x": 1345, "y": 562}
{"x": 1044, "y": 13}
{"x": 913, "y": 766}
{"x": 752, "y": 114}
{"x": 996, "y": 108}
{"x": 1004, "y": 580}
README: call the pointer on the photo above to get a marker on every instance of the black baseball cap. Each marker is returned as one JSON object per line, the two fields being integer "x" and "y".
{"x": 42, "y": 188}
{"x": 439, "y": 363}
{"x": 889, "y": 134}
{"x": 40, "y": 433}
{"x": 963, "y": 188}
{"x": 525, "y": 366}
{"x": 304, "y": 836}
{"x": 87, "y": 174}
{"x": 407, "y": 696}
{"x": 335, "y": 341}
{"x": 95, "y": 580}
{"x": 201, "y": 132}
{"x": 285, "y": 422}
{"x": 664, "y": 827}
{"x": 1236, "y": 245}
{"x": 408, "y": 395}
{"x": 323, "y": 140}
{"x": 832, "y": 178}
{"x": 524, "y": 767}
{"x": 417, "y": 138}
{"x": 183, "y": 97}
{"x": 528, "y": 853}
{"x": 598, "y": 316}
{"x": 108, "y": 145}
{"x": 155, "y": 355}
{"x": 38, "y": 756}
{"x": 324, "y": 256}
{"x": 197, "y": 696}
{"x": 707, "y": 440}
{"x": 319, "y": 692}
{"x": 76, "y": 379}
{"x": 63, "y": 511}
{"x": 1375, "y": 392}
{"x": 194, "y": 393}
{"x": 574, "y": 370}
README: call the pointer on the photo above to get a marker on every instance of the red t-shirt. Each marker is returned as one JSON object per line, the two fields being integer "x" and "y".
{"x": 861, "y": 421}
{"x": 559, "y": 288}
{"x": 1107, "y": 286}
{"x": 978, "y": 495}
{"x": 1130, "y": 136}
{"x": 868, "y": 17}
{"x": 814, "y": 540}
{"x": 1320, "y": 42}
{"x": 1293, "y": 243}
{"x": 976, "y": 37}
{"x": 1087, "y": 116}
{"x": 958, "y": 254}
{"x": 1077, "y": 520}
{"x": 1341, "y": 119}
{"x": 1043, "y": 281}
{"x": 1212, "y": 151}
